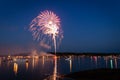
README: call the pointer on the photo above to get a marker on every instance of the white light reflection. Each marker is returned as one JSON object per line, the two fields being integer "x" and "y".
{"x": 34, "y": 61}
{"x": 70, "y": 64}
{"x": 111, "y": 63}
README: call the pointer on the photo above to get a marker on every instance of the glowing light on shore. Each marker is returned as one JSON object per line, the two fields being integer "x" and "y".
{"x": 46, "y": 28}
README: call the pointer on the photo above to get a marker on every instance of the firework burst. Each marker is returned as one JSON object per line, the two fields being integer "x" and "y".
{"x": 46, "y": 28}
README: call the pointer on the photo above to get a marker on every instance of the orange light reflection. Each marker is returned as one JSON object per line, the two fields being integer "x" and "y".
{"x": 15, "y": 68}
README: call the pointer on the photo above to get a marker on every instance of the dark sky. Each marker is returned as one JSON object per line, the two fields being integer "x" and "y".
{"x": 88, "y": 25}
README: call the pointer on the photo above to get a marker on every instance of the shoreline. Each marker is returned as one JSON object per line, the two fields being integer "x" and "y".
{"x": 95, "y": 74}
{"x": 65, "y": 54}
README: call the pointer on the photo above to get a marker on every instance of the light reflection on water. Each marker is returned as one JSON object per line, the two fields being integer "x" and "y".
{"x": 0, "y": 62}
{"x": 70, "y": 65}
{"x": 15, "y": 68}
{"x": 50, "y": 68}
{"x": 26, "y": 64}
{"x": 55, "y": 68}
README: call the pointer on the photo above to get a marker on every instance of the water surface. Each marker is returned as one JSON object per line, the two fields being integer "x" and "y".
{"x": 49, "y": 67}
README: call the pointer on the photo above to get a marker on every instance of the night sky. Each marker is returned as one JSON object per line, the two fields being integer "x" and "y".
{"x": 88, "y": 25}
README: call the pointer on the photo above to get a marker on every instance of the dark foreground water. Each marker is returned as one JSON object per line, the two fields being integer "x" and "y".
{"x": 50, "y": 67}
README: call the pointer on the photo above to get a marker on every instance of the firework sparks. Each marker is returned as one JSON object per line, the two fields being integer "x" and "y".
{"x": 46, "y": 28}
